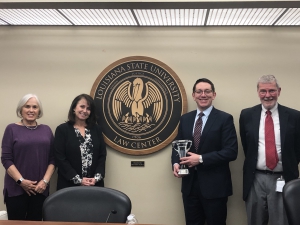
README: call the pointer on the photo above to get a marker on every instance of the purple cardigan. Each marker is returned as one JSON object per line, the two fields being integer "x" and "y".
{"x": 31, "y": 151}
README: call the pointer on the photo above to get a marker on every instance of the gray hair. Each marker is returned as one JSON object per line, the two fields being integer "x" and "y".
{"x": 267, "y": 79}
{"x": 23, "y": 101}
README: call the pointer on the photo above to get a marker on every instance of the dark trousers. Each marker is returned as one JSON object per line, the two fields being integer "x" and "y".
{"x": 199, "y": 210}
{"x": 25, "y": 207}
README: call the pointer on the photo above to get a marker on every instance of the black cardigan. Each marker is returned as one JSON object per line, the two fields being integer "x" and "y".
{"x": 68, "y": 155}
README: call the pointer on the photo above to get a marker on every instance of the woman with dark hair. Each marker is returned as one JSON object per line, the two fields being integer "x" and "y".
{"x": 27, "y": 156}
{"x": 80, "y": 150}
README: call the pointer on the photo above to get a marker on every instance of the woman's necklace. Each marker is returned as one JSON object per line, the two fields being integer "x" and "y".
{"x": 30, "y": 128}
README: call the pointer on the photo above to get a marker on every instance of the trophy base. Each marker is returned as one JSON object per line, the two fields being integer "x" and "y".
{"x": 183, "y": 172}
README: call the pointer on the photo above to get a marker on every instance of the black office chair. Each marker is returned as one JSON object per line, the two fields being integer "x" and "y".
{"x": 291, "y": 201}
{"x": 87, "y": 204}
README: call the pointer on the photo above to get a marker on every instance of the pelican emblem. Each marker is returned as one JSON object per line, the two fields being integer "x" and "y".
{"x": 136, "y": 103}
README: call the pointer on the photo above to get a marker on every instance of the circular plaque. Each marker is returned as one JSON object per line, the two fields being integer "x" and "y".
{"x": 139, "y": 101}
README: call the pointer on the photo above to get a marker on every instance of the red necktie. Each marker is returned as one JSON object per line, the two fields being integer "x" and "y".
{"x": 271, "y": 152}
{"x": 197, "y": 130}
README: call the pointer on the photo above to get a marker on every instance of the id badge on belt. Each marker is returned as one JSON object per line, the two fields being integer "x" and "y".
{"x": 279, "y": 184}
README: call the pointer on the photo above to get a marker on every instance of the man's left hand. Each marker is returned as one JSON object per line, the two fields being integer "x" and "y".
{"x": 191, "y": 160}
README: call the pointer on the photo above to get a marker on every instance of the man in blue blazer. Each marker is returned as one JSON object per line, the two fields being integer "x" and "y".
{"x": 206, "y": 189}
{"x": 264, "y": 204}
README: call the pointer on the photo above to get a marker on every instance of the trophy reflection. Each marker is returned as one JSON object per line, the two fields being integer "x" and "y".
{"x": 182, "y": 147}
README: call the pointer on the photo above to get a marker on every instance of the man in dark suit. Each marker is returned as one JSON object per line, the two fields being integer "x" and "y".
{"x": 206, "y": 189}
{"x": 261, "y": 169}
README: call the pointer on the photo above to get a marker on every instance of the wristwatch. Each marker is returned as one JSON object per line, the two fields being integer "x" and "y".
{"x": 200, "y": 159}
{"x": 20, "y": 180}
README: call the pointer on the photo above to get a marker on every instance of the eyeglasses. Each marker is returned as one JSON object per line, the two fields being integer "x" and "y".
{"x": 264, "y": 92}
{"x": 206, "y": 92}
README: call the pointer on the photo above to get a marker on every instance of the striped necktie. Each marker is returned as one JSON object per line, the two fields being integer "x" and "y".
{"x": 198, "y": 130}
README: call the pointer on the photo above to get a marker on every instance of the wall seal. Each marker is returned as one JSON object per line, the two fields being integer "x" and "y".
{"x": 139, "y": 101}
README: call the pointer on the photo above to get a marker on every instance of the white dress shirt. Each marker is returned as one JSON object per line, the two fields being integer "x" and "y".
{"x": 261, "y": 161}
{"x": 204, "y": 117}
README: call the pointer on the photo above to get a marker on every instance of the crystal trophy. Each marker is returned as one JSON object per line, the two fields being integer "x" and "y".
{"x": 182, "y": 147}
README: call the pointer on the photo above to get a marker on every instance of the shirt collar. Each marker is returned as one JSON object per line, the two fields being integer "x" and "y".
{"x": 272, "y": 110}
{"x": 206, "y": 111}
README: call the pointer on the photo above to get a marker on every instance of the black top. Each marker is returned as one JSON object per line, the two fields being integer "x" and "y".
{"x": 68, "y": 155}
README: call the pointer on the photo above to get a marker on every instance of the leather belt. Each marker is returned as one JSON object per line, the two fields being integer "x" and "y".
{"x": 268, "y": 171}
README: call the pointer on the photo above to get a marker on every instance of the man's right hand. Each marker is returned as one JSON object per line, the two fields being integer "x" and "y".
{"x": 176, "y": 170}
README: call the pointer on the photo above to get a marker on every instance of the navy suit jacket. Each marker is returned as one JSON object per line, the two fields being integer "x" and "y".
{"x": 218, "y": 146}
{"x": 289, "y": 120}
